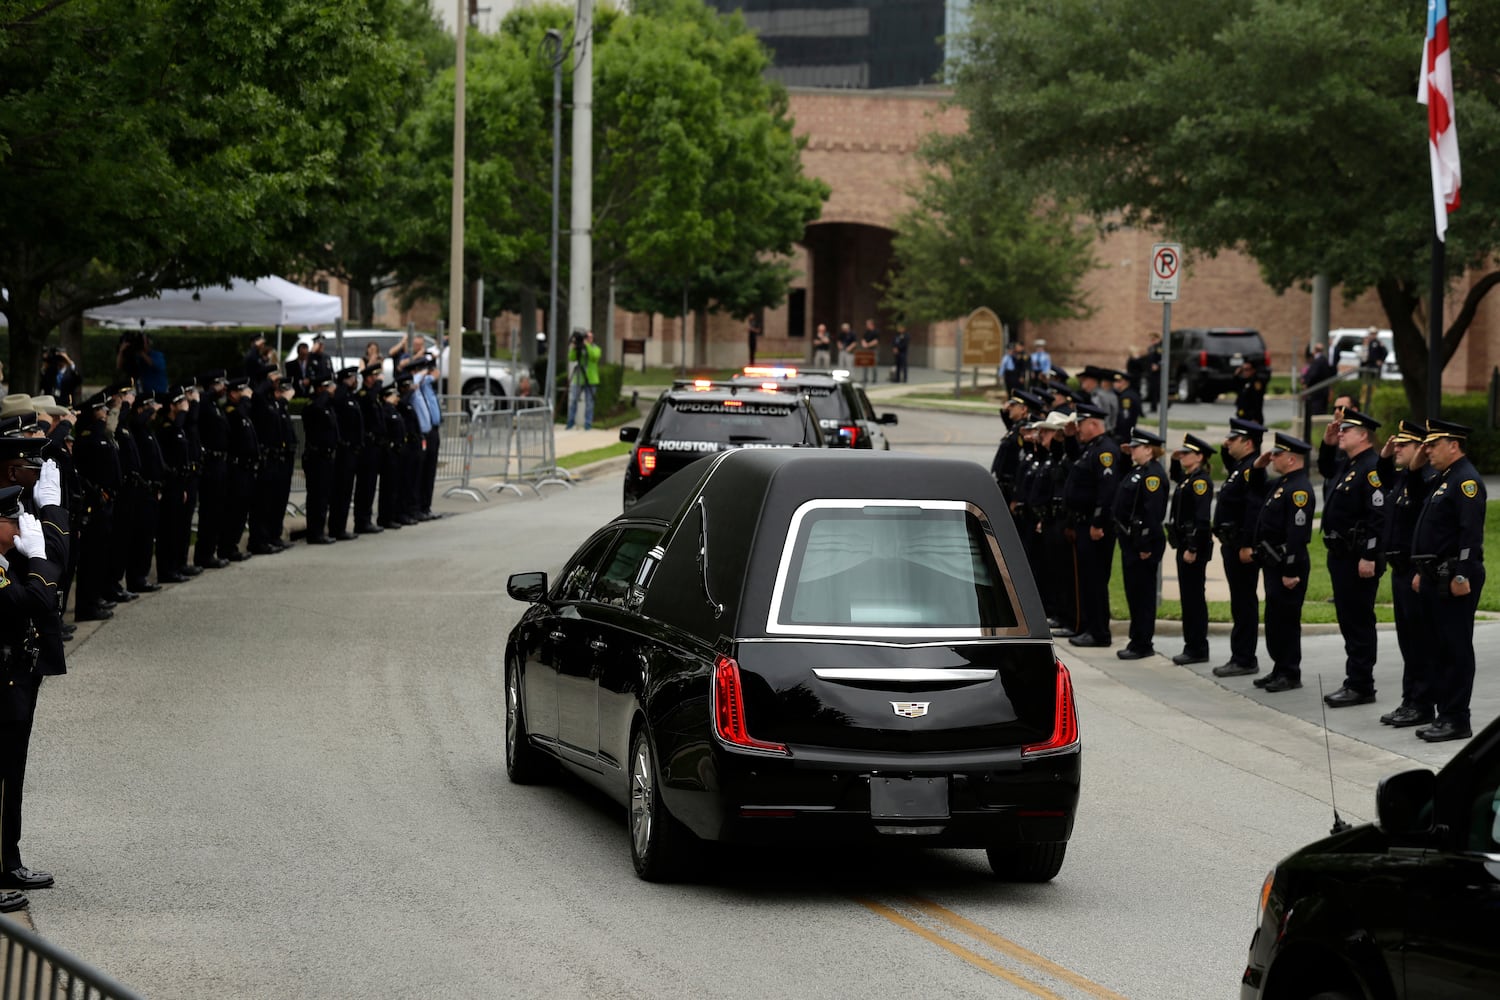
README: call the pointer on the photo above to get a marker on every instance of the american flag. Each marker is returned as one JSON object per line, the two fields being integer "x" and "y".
{"x": 1435, "y": 89}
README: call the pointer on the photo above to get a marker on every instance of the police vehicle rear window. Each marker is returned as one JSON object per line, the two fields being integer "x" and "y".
{"x": 746, "y": 422}
{"x": 891, "y": 568}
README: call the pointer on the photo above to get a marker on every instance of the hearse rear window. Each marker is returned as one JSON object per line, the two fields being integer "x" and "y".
{"x": 747, "y": 421}
{"x": 889, "y": 568}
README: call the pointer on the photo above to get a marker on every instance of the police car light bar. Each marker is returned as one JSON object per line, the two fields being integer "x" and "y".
{"x": 766, "y": 371}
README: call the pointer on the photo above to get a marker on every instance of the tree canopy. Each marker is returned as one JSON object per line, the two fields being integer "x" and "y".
{"x": 1287, "y": 129}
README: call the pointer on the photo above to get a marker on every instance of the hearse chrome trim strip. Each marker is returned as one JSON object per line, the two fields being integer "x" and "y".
{"x": 903, "y": 675}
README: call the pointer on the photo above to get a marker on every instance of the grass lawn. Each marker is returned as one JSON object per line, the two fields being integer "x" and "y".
{"x": 596, "y": 454}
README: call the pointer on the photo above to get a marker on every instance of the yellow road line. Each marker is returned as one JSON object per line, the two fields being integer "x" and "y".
{"x": 1008, "y": 947}
{"x": 978, "y": 961}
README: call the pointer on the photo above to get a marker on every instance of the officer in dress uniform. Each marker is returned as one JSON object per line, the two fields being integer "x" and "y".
{"x": 243, "y": 461}
{"x": 183, "y": 558}
{"x": 30, "y": 646}
{"x": 176, "y": 469}
{"x": 1130, "y": 406}
{"x": 1003, "y": 469}
{"x": 213, "y": 437}
{"x": 367, "y": 469}
{"x": 285, "y": 451}
{"x": 320, "y": 427}
{"x": 267, "y": 509}
{"x": 1235, "y": 517}
{"x": 1448, "y": 559}
{"x": 1089, "y": 495}
{"x": 130, "y": 508}
{"x": 1189, "y": 531}
{"x": 1353, "y": 526}
{"x": 1403, "y": 467}
{"x": 1059, "y": 435}
{"x": 1140, "y": 504}
{"x": 411, "y": 452}
{"x": 1250, "y": 403}
{"x": 1098, "y": 384}
{"x": 43, "y": 493}
{"x": 98, "y": 463}
{"x": 1023, "y": 503}
{"x": 393, "y": 444}
{"x": 1282, "y": 533}
{"x": 346, "y": 461}
{"x": 148, "y": 514}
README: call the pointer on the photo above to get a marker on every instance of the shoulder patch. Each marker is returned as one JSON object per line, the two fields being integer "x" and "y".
{"x": 1125, "y": 403}
{"x": 1374, "y": 478}
{"x": 1106, "y": 458}
{"x": 1200, "y": 487}
{"x": 1153, "y": 483}
{"x": 1470, "y": 488}
{"x": 4, "y": 580}
{"x": 1247, "y": 475}
{"x": 1258, "y": 386}
{"x": 1300, "y": 498}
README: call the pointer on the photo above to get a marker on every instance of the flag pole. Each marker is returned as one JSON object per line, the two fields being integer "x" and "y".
{"x": 1435, "y": 330}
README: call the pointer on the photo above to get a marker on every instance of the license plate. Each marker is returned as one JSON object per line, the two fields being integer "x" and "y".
{"x": 908, "y": 798}
{"x": 1236, "y": 360}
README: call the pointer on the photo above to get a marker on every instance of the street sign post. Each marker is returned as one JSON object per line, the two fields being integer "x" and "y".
{"x": 1166, "y": 269}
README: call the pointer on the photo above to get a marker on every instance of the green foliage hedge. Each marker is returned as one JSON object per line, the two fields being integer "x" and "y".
{"x": 188, "y": 351}
{"x": 607, "y": 399}
{"x": 1389, "y": 406}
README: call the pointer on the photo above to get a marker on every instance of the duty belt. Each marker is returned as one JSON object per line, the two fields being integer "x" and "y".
{"x": 1434, "y": 569}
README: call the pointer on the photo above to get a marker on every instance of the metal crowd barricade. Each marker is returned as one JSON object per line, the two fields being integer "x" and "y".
{"x": 33, "y": 967}
{"x": 456, "y": 450}
{"x": 535, "y": 448}
{"x": 299, "y": 481}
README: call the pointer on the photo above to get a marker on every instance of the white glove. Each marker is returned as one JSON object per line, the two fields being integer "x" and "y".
{"x": 31, "y": 542}
{"x": 48, "y": 486}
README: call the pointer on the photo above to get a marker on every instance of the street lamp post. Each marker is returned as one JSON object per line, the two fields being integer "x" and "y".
{"x": 553, "y": 44}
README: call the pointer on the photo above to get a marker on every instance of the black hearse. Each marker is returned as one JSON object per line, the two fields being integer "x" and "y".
{"x": 804, "y": 645}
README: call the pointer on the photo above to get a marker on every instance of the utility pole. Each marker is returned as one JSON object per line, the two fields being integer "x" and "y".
{"x": 581, "y": 247}
{"x": 553, "y": 45}
{"x": 456, "y": 250}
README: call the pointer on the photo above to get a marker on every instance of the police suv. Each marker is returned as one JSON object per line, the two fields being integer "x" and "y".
{"x": 700, "y": 417}
{"x": 842, "y": 407}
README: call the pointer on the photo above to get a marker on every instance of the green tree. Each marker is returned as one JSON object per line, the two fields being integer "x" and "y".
{"x": 1287, "y": 129}
{"x": 977, "y": 238}
{"x": 169, "y": 143}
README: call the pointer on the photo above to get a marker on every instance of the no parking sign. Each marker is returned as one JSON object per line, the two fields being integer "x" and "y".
{"x": 1166, "y": 268}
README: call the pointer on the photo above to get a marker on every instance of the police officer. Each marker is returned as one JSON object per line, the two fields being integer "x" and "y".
{"x": 243, "y": 462}
{"x": 351, "y": 423}
{"x": 411, "y": 451}
{"x": 148, "y": 513}
{"x": 285, "y": 458}
{"x": 393, "y": 446}
{"x": 1235, "y": 516}
{"x": 213, "y": 437}
{"x": 1089, "y": 495}
{"x": 367, "y": 471}
{"x": 1448, "y": 556}
{"x": 1054, "y": 566}
{"x": 1015, "y": 413}
{"x": 1403, "y": 466}
{"x": 98, "y": 462}
{"x": 1282, "y": 533}
{"x": 1130, "y": 406}
{"x": 1189, "y": 532}
{"x": 131, "y": 507}
{"x": 189, "y": 409}
{"x": 1140, "y": 504}
{"x": 1353, "y": 526}
{"x": 1250, "y": 404}
{"x": 176, "y": 470}
{"x": 320, "y": 428}
{"x": 1098, "y": 384}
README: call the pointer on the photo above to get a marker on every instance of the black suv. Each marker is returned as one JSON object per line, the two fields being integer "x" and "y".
{"x": 697, "y": 418}
{"x": 1405, "y": 908}
{"x": 1203, "y": 360}
{"x": 842, "y": 407}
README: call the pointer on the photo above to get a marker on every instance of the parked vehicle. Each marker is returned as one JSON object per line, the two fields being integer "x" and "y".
{"x": 1347, "y": 349}
{"x": 842, "y": 407}
{"x": 803, "y": 645}
{"x": 499, "y": 377}
{"x": 1401, "y": 908}
{"x": 1203, "y": 360}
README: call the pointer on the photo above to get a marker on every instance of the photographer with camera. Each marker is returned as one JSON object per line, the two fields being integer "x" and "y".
{"x": 583, "y": 377}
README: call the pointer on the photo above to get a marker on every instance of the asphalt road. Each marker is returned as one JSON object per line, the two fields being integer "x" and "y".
{"x": 285, "y": 779}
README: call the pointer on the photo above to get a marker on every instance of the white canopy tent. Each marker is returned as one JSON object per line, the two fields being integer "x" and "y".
{"x": 268, "y": 301}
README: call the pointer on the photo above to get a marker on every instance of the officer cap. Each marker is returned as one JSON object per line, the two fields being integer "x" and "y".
{"x": 10, "y": 503}
{"x": 1057, "y": 374}
{"x": 144, "y": 399}
{"x": 49, "y": 406}
{"x": 23, "y": 448}
{"x": 1409, "y": 432}
{"x": 1193, "y": 442}
{"x": 1239, "y": 427}
{"x": 1122, "y": 375}
{"x": 350, "y": 372}
{"x": 1095, "y": 372}
{"x": 317, "y": 338}
{"x": 119, "y": 388}
{"x": 211, "y": 376}
{"x": 243, "y": 382}
{"x": 18, "y": 423}
{"x": 171, "y": 397}
{"x": 98, "y": 401}
{"x": 390, "y": 390}
{"x": 1087, "y": 410}
{"x": 1439, "y": 429}
{"x": 1353, "y": 418}
{"x": 1285, "y": 442}
{"x": 403, "y": 379}
{"x": 1060, "y": 388}
{"x": 324, "y": 383}
{"x": 375, "y": 369}
{"x": 1141, "y": 436}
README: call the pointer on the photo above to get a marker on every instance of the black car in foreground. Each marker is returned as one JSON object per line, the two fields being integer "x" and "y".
{"x": 1406, "y": 907}
{"x": 699, "y": 417}
{"x": 797, "y": 646}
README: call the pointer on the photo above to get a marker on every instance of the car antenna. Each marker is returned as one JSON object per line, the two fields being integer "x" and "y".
{"x": 1339, "y": 826}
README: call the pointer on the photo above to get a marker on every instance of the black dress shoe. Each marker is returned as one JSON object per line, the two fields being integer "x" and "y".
{"x": 189, "y": 570}
{"x": 122, "y": 595}
{"x": 237, "y": 556}
{"x": 368, "y": 529}
{"x": 1086, "y": 640}
{"x": 1279, "y": 683}
{"x": 408, "y": 520}
{"x": 1183, "y": 659}
{"x": 24, "y": 878}
{"x": 1053, "y": 623}
{"x": 1233, "y": 669}
{"x": 1346, "y": 696}
{"x": 94, "y": 614}
{"x": 145, "y": 588}
{"x": 389, "y": 526}
{"x": 319, "y": 540}
{"x": 107, "y": 605}
{"x": 264, "y": 550}
{"x": 170, "y": 578}
{"x": 13, "y": 901}
{"x": 214, "y": 563}
{"x": 1443, "y": 731}
{"x": 1063, "y": 632}
{"x": 1261, "y": 682}
{"x": 345, "y": 536}
{"x": 69, "y": 628}
{"x": 1408, "y": 715}
{"x": 1131, "y": 653}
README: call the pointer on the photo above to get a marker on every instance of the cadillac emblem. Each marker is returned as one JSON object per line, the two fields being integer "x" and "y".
{"x": 910, "y": 709}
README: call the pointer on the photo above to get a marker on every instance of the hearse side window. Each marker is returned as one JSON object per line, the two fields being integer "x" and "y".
{"x": 612, "y": 586}
{"x": 574, "y": 582}
{"x": 891, "y": 568}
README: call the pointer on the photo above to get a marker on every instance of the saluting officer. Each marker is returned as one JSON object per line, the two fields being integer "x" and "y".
{"x": 1029, "y": 491}
{"x": 1130, "y": 406}
{"x": 98, "y": 462}
{"x": 393, "y": 447}
{"x": 176, "y": 469}
{"x": 1189, "y": 532}
{"x": 243, "y": 461}
{"x": 1353, "y": 525}
{"x": 1448, "y": 554}
{"x": 1250, "y": 404}
{"x": 1089, "y": 494}
{"x": 320, "y": 428}
{"x": 1004, "y": 467}
{"x": 346, "y": 460}
{"x": 1140, "y": 504}
{"x": 213, "y": 435}
{"x": 1282, "y": 534}
{"x": 1235, "y": 516}
{"x": 411, "y": 452}
{"x": 367, "y": 472}
{"x": 130, "y": 508}
{"x": 148, "y": 514}
{"x": 284, "y": 457}
{"x": 1059, "y": 549}
{"x": 1403, "y": 465}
